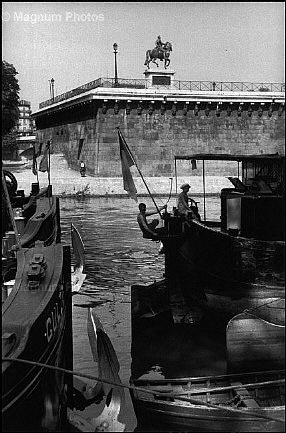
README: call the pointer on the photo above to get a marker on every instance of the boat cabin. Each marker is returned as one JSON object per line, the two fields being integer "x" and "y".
{"x": 253, "y": 206}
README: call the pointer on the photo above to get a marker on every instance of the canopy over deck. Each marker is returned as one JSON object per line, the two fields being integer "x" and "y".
{"x": 273, "y": 164}
{"x": 227, "y": 157}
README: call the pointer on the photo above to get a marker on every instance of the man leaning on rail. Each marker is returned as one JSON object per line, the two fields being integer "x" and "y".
{"x": 149, "y": 229}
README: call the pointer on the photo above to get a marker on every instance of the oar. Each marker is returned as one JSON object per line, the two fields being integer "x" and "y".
{"x": 225, "y": 388}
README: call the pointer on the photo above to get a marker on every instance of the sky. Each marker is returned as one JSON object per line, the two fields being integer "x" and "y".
{"x": 72, "y": 42}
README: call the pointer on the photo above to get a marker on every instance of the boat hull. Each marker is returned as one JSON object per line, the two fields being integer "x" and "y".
{"x": 251, "y": 340}
{"x": 180, "y": 418}
{"x": 37, "y": 327}
{"x": 44, "y": 225}
{"x": 240, "y": 402}
{"x": 232, "y": 272}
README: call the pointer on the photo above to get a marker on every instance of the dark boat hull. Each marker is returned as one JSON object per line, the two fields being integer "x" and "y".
{"x": 178, "y": 418}
{"x": 37, "y": 327}
{"x": 44, "y": 225}
{"x": 233, "y": 272}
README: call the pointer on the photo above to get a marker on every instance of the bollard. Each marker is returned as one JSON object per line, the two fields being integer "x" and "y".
{"x": 20, "y": 224}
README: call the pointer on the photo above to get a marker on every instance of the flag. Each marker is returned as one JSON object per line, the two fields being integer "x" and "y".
{"x": 44, "y": 164}
{"x": 126, "y": 162}
{"x": 39, "y": 151}
{"x": 79, "y": 147}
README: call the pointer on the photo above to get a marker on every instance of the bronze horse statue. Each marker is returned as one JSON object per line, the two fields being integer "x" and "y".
{"x": 159, "y": 53}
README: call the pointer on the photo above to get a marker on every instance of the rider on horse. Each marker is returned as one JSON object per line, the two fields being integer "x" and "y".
{"x": 161, "y": 51}
{"x": 159, "y": 44}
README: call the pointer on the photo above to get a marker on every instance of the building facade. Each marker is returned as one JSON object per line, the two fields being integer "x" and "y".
{"x": 25, "y": 129}
{"x": 26, "y": 125}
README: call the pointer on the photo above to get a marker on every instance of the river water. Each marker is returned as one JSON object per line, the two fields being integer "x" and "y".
{"x": 116, "y": 256}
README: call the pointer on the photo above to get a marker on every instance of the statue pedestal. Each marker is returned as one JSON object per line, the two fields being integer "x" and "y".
{"x": 159, "y": 78}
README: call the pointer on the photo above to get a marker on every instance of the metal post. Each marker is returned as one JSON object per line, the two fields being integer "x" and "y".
{"x": 115, "y": 46}
{"x": 52, "y": 83}
{"x": 176, "y": 175}
{"x": 204, "y": 187}
{"x": 49, "y": 169}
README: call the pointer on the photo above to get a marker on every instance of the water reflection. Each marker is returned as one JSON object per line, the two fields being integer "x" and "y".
{"x": 117, "y": 256}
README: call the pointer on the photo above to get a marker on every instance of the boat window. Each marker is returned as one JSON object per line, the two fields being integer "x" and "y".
{"x": 248, "y": 170}
{"x": 267, "y": 173}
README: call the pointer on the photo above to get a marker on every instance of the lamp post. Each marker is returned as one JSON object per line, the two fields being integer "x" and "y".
{"x": 115, "y": 46}
{"x": 52, "y": 83}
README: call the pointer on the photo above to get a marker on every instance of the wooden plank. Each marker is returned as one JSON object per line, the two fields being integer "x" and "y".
{"x": 208, "y": 394}
{"x": 247, "y": 399}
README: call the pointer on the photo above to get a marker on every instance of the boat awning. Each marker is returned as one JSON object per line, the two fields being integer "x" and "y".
{"x": 227, "y": 157}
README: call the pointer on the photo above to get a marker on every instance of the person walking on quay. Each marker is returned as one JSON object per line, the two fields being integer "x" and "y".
{"x": 82, "y": 169}
{"x": 184, "y": 208}
{"x": 149, "y": 229}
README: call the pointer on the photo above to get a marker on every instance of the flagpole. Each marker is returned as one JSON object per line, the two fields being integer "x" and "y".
{"x": 139, "y": 172}
{"x": 148, "y": 190}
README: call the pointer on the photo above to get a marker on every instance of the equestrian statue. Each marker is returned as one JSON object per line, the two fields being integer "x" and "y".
{"x": 161, "y": 51}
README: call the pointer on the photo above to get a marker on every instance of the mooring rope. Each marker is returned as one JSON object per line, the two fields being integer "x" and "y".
{"x": 148, "y": 391}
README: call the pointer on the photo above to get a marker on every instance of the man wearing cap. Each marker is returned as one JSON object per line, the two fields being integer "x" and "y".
{"x": 183, "y": 203}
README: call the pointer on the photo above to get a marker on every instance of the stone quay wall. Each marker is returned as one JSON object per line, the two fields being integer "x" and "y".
{"x": 67, "y": 182}
{"x": 155, "y": 139}
{"x": 158, "y": 127}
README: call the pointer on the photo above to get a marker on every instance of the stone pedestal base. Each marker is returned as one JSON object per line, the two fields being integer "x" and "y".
{"x": 159, "y": 78}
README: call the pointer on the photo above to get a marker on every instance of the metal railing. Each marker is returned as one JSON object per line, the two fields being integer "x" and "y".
{"x": 178, "y": 85}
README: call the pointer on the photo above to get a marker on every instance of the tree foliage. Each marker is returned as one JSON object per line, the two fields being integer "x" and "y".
{"x": 10, "y": 97}
{"x": 9, "y": 146}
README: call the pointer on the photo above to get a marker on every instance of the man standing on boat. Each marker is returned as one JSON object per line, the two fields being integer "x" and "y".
{"x": 149, "y": 229}
{"x": 183, "y": 206}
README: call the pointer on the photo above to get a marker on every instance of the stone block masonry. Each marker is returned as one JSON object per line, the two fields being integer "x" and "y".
{"x": 156, "y": 138}
{"x": 159, "y": 123}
